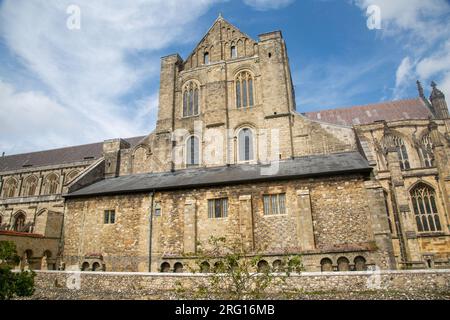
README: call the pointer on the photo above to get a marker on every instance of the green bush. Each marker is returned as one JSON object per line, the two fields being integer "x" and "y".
{"x": 12, "y": 284}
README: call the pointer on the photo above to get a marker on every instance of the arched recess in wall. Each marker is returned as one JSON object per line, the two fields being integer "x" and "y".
{"x": 70, "y": 177}
{"x": 19, "y": 223}
{"x": 30, "y": 186}
{"x": 141, "y": 159}
{"x": 51, "y": 183}
{"x": 40, "y": 221}
{"x": 425, "y": 207}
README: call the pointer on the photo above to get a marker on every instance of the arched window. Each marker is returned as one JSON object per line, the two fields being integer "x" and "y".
{"x": 9, "y": 189}
{"x": 85, "y": 266}
{"x": 51, "y": 184}
{"x": 178, "y": 267}
{"x": 19, "y": 222}
{"x": 96, "y": 266}
{"x": 423, "y": 200}
{"x": 426, "y": 151}
{"x": 165, "y": 267}
{"x": 246, "y": 145}
{"x": 233, "y": 52}
{"x": 206, "y": 58}
{"x": 263, "y": 266}
{"x": 205, "y": 267}
{"x": 277, "y": 265}
{"x": 343, "y": 264}
{"x": 399, "y": 144}
{"x": 29, "y": 188}
{"x": 360, "y": 263}
{"x": 192, "y": 151}
{"x": 244, "y": 90}
{"x": 326, "y": 265}
{"x": 190, "y": 99}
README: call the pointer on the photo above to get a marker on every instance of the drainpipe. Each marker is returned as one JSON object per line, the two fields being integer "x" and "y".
{"x": 152, "y": 194}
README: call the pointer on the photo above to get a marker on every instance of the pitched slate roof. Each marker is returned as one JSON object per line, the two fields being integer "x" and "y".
{"x": 317, "y": 165}
{"x": 56, "y": 156}
{"x": 389, "y": 111}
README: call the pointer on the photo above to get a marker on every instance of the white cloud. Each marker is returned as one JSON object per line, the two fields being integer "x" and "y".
{"x": 423, "y": 29}
{"x": 263, "y": 5}
{"x": 88, "y": 72}
{"x": 403, "y": 76}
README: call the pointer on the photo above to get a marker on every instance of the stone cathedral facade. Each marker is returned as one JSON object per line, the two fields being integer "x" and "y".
{"x": 231, "y": 156}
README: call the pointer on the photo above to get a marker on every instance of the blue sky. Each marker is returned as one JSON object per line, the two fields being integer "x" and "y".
{"x": 62, "y": 87}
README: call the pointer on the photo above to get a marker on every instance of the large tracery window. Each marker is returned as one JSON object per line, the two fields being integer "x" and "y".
{"x": 244, "y": 90}
{"x": 192, "y": 151}
{"x": 399, "y": 144}
{"x": 246, "y": 145}
{"x": 30, "y": 186}
{"x": 426, "y": 151}
{"x": 9, "y": 189}
{"x": 423, "y": 200}
{"x": 19, "y": 222}
{"x": 190, "y": 99}
{"x": 51, "y": 184}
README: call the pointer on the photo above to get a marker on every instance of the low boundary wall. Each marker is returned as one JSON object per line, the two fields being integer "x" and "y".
{"x": 112, "y": 285}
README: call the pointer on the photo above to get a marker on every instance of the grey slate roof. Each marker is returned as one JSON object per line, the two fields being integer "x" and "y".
{"x": 317, "y": 165}
{"x": 56, "y": 156}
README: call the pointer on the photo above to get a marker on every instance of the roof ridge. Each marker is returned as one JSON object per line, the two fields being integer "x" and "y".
{"x": 61, "y": 148}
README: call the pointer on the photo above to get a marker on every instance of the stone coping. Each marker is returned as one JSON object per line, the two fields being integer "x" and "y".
{"x": 302, "y": 274}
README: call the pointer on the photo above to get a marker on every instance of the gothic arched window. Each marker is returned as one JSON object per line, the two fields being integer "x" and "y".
{"x": 206, "y": 58}
{"x": 233, "y": 52}
{"x": 244, "y": 90}
{"x": 190, "y": 99}
{"x": 9, "y": 189}
{"x": 192, "y": 151}
{"x": 19, "y": 222}
{"x": 51, "y": 184}
{"x": 30, "y": 185}
{"x": 400, "y": 147}
{"x": 246, "y": 145}
{"x": 426, "y": 151}
{"x": 423, "y": 200}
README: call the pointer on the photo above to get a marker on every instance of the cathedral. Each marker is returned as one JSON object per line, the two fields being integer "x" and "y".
{"x": 230, "y": 156}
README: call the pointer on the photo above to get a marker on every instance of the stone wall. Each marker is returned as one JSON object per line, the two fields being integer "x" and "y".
{"x": 322, "y": 216}
{"x": 94, "y": 285}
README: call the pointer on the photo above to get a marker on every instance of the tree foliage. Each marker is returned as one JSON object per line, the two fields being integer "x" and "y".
{"x": 12, "y": 284}
{"x": 232, "y": 272}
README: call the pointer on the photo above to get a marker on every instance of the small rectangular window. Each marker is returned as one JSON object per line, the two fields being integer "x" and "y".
{"x": 157, "y": 210}
{"x": 110, "y": 216}
{"x": 218, "y": 208}
{"x": 274, "y": 204}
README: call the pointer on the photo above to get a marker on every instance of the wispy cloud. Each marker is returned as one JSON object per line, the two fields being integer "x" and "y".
{"x": 422, "y": 28}
{"x": 263, "y": 5}
{"x": 84, "y": 74}
{"x": 331, "y": 84}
